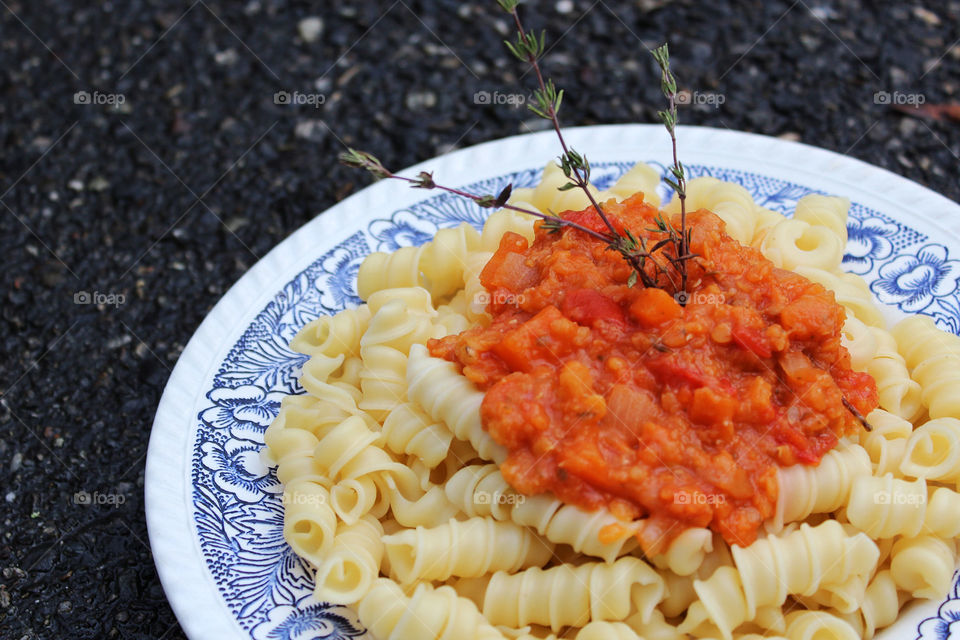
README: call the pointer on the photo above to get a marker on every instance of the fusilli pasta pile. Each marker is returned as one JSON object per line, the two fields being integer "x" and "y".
{"x": 393, "y": 493}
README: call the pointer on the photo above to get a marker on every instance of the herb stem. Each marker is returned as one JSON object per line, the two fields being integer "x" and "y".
{"x": 424, "y": 180}
{"x": 554, "y": 118}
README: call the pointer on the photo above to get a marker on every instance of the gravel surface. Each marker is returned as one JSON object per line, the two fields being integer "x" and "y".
{"x": 161, "y": 185}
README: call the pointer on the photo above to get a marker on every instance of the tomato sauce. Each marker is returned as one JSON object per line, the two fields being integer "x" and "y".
{"x": 617, "y": 396}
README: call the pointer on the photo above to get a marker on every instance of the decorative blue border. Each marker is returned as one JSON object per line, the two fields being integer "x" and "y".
{"x": 238, "y": 515}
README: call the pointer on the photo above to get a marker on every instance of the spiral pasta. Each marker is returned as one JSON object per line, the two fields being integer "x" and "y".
{"x": 805, "y": 490}
{"x": 880, "y": 605}
{"x": 932, "y": 451}
{"x": 859, "y": 341}
{"x": 349, "y": 568}
{"x": 731, "y": 202}
{"x": 467, "y": 548}
{"x": 408, "y": 430}
{"x": 334, "y": 335}
{"x": 446, "y": 395}
{"x": 933, "y": 357}
{"x": 886, "y": 442}
{"x": 566, "y": 595}
{"x": 795, "y": 243}
{"x": 849, "y": 295}
{"x": 825, "y": 211}
{"x": 640, "y": 178}
{"x": 429, "y": 613}
{"x": 389, "y": 270}
{"x": 686, "y": 552}
{"x": 548, "y": 197}
{"x": 437, "y": 266}
{"x": 811, "y": 625}
{"x": 309, "y": 523}
{"x": 402, "y": 318}
{"x": 942, "y": 517}
{"x": 480, "y": 490}
{"x": 886, "y": 506}
{"x": 504, "y": 220}
{"x": 799, "y": 562}
{"x": 923, "y": 566}
{"x": 898, "y": 393}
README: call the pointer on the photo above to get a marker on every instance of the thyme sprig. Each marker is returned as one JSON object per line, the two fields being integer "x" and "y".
{"x": 576, "y": 168}
{"x": 424, "y": 180}
{"x": 679, "y": 239}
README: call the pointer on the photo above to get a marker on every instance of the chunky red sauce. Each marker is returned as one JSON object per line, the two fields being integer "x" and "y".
{"x": 616, "y": 396}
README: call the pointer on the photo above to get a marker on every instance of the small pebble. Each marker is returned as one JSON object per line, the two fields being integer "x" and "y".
{"x": 13, "y": 572}
{"x": 312, "y": 130}
{"x": 927, "y": 16}
{"x": 226, "y": 58}
{"x": 907, "y": 127}
{"x": 76, "y": 185}
{"x": 823, "y": 12}
{"x": 99, "y": 183}
{"x": 119, "y": 341}
{"x": 564, "y": 7}
{"x": 310, "y": 28}
{"x": 16, "y": 462}
{"x": 65, "y": 607}
{"x": 417, "y": 100}
{"x": 10, "y": 497}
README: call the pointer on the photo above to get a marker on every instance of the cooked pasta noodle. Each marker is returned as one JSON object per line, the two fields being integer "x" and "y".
{"x": 353, "y": 562}
{"x": 933, "y": 451}
{"x": 565, "y": 595}
{"x": 795, "y": 243}
{"x": 641, "y": 177}
{"x": 446, "y": 395}
{"x": 429, "y": 613}
{"x": 805, "y": 490}
{"x": 884, "y": 507}
{"x": 799, "y": 562}
{"x": 730, "y": 201}
{"x": 923, "y": 566}
{"x": 934, "y": 360}
{"x": 825, "y": 211}
{"x": 899, "y": 394}
{"x": 467, "y": 548}
{"x": 480, "y": 490}
{"x": 818, "y": 625}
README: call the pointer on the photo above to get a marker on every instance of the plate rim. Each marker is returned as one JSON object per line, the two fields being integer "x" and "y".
{"x": 180, "y": 564}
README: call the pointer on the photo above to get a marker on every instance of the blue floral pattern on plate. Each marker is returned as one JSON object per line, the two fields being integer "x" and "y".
{"x": 237, "y": 510}
{"x": 946, "y": 624}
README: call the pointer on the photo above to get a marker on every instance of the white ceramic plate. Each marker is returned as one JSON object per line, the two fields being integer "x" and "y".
{"x": 213, "y": 509}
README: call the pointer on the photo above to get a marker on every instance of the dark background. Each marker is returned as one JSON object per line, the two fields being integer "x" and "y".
{"x": 168, "y": 198}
